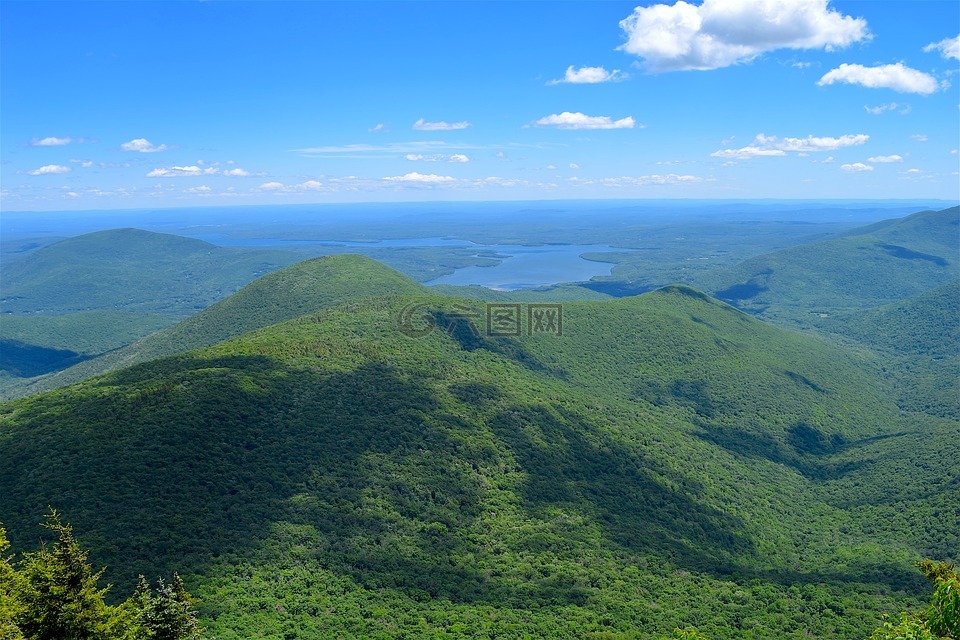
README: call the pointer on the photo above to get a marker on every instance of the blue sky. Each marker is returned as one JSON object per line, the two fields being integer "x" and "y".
{"x": 163, "y": 104}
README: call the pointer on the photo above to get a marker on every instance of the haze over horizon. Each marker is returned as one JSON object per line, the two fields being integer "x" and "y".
{"x": 163, "y": 104}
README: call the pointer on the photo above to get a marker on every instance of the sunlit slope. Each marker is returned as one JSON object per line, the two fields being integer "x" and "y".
{"x": 668, "y": 460}
{"x": 307, "y": 286}
{"x": 868, "y": 267}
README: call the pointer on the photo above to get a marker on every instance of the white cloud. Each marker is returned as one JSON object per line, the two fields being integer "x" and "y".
{"x": 49, "y": 169}
{"x": 574, "y": 166}
{"x": 746, "y": 153}
{"x": 814, "y": 143}
{"x": 828, "y": 160}
{"x": 201, "y": 189}
{"x": 589, "y": 75}
{"x": 920, "y": 137}
{"x": 719, "y": 33}
{"x": 767, "y": 146}
{"x": 422, "y": 125}
{"x": 567, "y": 120}
{"x": 50, "y": 142}
{"x": 311, "y": 185}
{"x": 271, "y": 186}
{"x": 237, "y": 173}
{"x": 421, "y": 178}
{"x": 902, "y": 109}
{"x": 655, "y": 179}
{"x": 143, "y": 146}
{"x": 914, "y": 171}
{"x": 883, "y": 159}
{"x": 368, "y": 150}
{"x": 948, "y": 47}
{"x": 174, "y": 172}
{"x": 86, "y": 164}
{"x": 419, "y": 157}
{"x": 801, "y": 65}
{"x": 888, "y": 76}
{"x": 379, "y": 128}
{"x": 856, "y": 167}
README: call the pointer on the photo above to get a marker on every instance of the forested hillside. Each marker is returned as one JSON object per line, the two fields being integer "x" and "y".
{"x": 668, "y": 461}
{"x": 867, "y": 267}
{"x": 308, "y": 286}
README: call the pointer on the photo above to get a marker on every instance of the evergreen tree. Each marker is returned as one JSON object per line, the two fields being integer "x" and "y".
{"x": 9, "y": 605}
{"x": 57, "y": 591}
{"x": 168, "y": 615}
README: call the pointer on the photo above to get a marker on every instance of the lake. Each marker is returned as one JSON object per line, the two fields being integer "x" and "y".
{"x": 521, "y": 266}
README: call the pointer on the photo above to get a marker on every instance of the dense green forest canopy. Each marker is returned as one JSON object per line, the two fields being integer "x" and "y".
{"x": 668, "y": 461}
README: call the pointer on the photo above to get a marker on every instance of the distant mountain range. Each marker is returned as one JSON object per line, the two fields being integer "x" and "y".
{"x": 862, "y": 268}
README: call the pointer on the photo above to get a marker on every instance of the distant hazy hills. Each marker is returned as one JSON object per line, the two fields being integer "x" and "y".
{"x": 667, "y": 461}
{"x": 862, "y": 268}
{"x": 130, "y": 270}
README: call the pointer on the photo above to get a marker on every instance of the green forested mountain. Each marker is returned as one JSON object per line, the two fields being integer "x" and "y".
{"x": 919, "y": 342}
{"x": 308, "y": 286}
{"x": 75, "y": 299}
{"x": 862, "y": 268}
{"x": 666, "y": 461}
{"x": 131, "y": 270}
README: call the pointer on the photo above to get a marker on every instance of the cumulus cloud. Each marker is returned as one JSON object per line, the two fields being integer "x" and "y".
{"x": 902, "y": 109}
{"x": 568, "y": 120}
{"x": 856, "y": 167}
{"x": 589, "y": 75}
{"x": 948, "y": 47}
{"x": 237, "y": 173}
{"x": 175, "y": 172}
{"x": 422, "y": 125}
{"x": 50, "y": 142}
{"x": 311, "y": 185}
{"x": 767, "y": 146}
{"x": 420, "y": 178}
{"x": 49, "y": 169}
{"x": 888, "y": 76}
{"x": 201, "y": 189}
{"x": 271, "y": 186}
{"x": 143, "y": 146}
{"x": 883, "y": 159}
{"x": 720, "y": 33}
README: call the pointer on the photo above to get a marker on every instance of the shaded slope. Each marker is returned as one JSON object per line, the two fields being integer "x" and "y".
{"x": 308, "y": 286}
{"x": 868, "y": 267}
{"x": 330, "y": 475}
